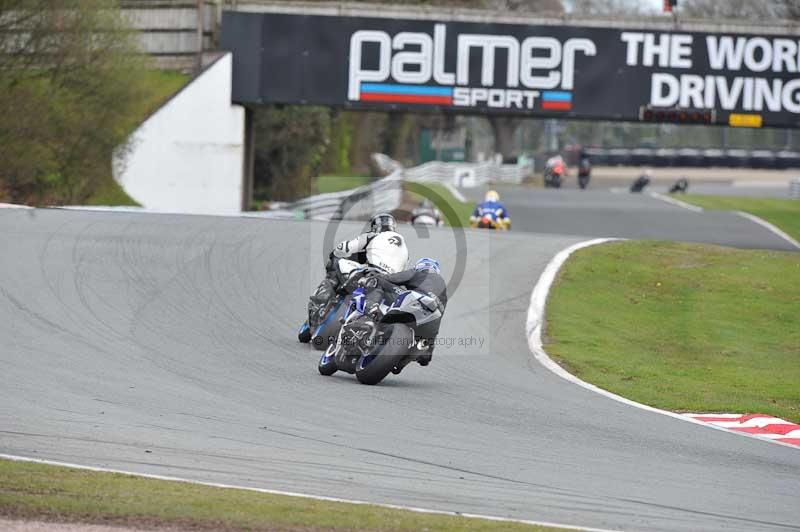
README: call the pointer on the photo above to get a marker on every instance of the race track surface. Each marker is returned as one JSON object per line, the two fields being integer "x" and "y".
{"x": 600, "y": 212}
{"x": 166, "y": 344}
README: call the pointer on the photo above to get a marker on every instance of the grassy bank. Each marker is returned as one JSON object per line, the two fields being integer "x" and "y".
{"x": 34, "y": 491}
{"x": 681, "y": 326}
{"x": 159, "y": 86}
{"x": 337, "y": 183}
{"x": 783, "y": 213}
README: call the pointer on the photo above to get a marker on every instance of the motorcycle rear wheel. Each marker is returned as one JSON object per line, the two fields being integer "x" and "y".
{"x": 375, "y": 366}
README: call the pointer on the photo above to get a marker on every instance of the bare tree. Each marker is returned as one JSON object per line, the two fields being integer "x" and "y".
{"x": 742, "y": 9}
{"x": 792, "y": 9}
{"x": 527, "y": 6}
{"x": 604, "y": 7}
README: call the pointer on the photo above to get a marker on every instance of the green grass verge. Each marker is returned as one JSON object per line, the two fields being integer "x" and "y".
{"x": 337, "y": 183}
{"x": 161, "y": 85}
{"x": 682, "y": 327}
{"x": 456, "y": 213}
{"x": 111, "y": 194}
{"x": 783, "y": 213}
{"x": 35, "y": 491}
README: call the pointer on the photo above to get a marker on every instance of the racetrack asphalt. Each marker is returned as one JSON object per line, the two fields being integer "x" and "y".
{"x": 603, "y": 213}
{"x": 166, "y": 344}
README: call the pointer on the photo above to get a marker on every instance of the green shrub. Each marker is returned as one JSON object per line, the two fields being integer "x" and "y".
{"x": 73, "y": 89}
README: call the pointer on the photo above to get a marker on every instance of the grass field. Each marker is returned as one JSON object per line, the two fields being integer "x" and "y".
{"x": 683, "y": 327}
{"x": 337, "y": 183}
{"x": 44, "y": 492}
{"x": 783, "y": 213}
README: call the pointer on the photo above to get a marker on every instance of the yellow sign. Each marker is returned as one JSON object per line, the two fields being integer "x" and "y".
{"x": 738, "y": 120}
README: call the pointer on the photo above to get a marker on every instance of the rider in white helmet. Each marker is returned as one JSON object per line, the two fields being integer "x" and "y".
{"x": 387, "y": 251}
{"x": 382, "y": 247}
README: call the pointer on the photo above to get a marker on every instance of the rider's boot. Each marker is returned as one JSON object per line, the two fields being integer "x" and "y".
{"x": 318, "y": 302}
{"x": 424, "y": 360}
{"x": 304, "y": 336}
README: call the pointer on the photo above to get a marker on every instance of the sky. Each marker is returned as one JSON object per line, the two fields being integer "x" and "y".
{"x": 654, "y": 4}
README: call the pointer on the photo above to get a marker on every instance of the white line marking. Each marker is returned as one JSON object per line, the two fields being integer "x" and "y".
{"x": 533, "y": 328}
{"x": 711, "y": 414}
{"x": 763, "y": 223}
{"x": 16, "y": 458}
{"x": 673, "y": 201}
{"x": 762, "y": 184}
{"x": 455, "y": 192}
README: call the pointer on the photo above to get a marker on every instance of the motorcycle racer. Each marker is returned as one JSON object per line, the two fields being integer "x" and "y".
{"x": 492, "y": 207}
{"x": 424, "y": 277}
{"x": 381, "y": 247}
{"x": 424, "y": 212}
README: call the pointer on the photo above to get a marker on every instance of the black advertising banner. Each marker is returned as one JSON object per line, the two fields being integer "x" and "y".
{"x": 564, "y": 71}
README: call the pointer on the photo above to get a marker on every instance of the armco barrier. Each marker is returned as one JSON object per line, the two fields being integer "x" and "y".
{"x": 465, "y": 175}
{"x": 386, "y": 193}
{"x": 794, "y": 188}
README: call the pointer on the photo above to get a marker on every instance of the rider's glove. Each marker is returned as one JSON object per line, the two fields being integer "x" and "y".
{"x": 373, "y": 311}
{"x": 368, "y": 282}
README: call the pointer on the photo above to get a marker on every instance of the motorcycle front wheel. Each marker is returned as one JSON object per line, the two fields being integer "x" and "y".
{"x": 328, "y": 330}
{"x": 327, "y": 363}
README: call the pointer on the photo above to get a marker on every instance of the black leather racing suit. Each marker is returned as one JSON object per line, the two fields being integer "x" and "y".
{"x": 426, "y": 281}
{"x": 355, "y": 249}
{"x": 392, "y": 285}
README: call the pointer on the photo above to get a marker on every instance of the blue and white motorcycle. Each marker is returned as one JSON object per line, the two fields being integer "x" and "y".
{"x": 322, "y": 328}
{"x": 373, "y": 348}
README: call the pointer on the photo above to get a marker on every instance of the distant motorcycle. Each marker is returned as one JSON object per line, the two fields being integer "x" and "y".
{"x": 425, "y": 219}
{"x": 641, "y": 183}
{"x": 554, "y": 175}
{"x": 426, "y": 214}
{"x": 373, "y": 349}
{"x": 584, "y": 172}
{"x": 680, "y": 186}
{"x": 490, "y": 221}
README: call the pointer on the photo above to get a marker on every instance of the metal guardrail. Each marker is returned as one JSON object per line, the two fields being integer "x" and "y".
{"x": 386, "y": 194}
{"x": 466, "y": 175}
{"x": 794, "y": 188}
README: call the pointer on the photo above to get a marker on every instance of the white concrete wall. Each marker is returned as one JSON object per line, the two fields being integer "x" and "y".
{"x": 189, "y": 155}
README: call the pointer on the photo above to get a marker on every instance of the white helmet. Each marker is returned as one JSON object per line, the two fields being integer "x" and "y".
{"x": 388, "y": 252}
